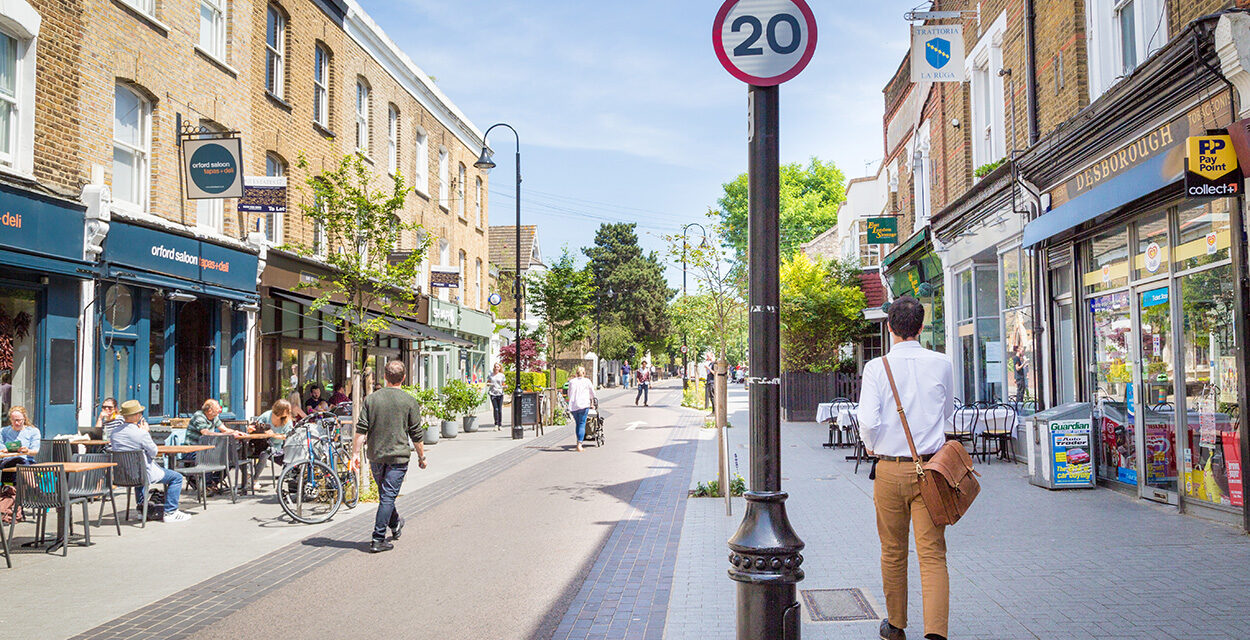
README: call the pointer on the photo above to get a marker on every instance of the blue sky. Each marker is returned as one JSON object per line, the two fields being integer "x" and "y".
{"x": 624, "y": 112}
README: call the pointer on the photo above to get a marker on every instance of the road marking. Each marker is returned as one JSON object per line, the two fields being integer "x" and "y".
{"x": 634, "y": 425}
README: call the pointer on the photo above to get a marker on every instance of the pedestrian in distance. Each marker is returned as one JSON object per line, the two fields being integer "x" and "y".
{"x": 925, "y": 384}
{"x": 625, "y": 374}
{"x": 709, "y": 380}
{"x": 389, "y": 418}
{"x": 494, "y": 389}
{"x": 644, "y": 383}
{"x": 581, "y": 396}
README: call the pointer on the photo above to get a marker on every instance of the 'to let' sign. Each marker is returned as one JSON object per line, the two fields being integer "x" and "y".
{"x": 764, "y": 42}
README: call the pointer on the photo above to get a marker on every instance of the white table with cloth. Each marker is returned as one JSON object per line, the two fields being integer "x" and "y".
{"x": 839, "y": 416}
{"x": 995, "y": 419}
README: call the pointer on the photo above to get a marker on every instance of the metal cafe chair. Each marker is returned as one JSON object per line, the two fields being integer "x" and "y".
{"x": 215, "y": 460}
{"x": 834, "y": 428}
{"x": 52, "y": 451}
{"x": 1001, "y": 422}
{"x": 964, "y": 427}
{"x": 42, "y": 488}
{"x": 96, "y": 484}
{"x": 132, "y": 472}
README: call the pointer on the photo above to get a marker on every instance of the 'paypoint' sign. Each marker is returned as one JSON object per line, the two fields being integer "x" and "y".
{"x": 1211, "y": 168}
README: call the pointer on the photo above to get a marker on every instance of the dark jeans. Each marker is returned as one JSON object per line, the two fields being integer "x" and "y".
{"x": 16, "y": 460}
{"x": 496, "y": 403}
{"x": 389, "y": 478}
{"x": 173, "y": 490}
{"x": 642, "y": 392}
{"x": 710, "y": 391}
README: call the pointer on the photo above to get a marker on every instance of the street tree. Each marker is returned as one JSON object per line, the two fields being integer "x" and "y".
{"x": 810, "y": 197}
{"x": 718, "y": 284}
{"x": 822, "y": 309}
{"x": 564, "y": 296}
{"x": 373, "y": 255}
{"x": 636, "y": 281}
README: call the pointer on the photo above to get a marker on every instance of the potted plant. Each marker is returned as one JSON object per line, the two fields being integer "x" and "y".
{"x": 463, "y": 400}
{"x": 446, "y": 412}
{"x": 430, "y": 406}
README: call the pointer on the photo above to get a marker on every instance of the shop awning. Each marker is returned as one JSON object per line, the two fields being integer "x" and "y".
{"x": 159, "y": 281}
{"x": 330, "y": 307}
{"x": 1135, "y": 183}
{"x": 425, "y": 332}
{"x": 61, "y": 266}
{"x": 903, "y": 249}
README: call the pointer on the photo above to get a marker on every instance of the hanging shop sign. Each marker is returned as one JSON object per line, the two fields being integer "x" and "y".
{"x": 263, "y": 194}
{"x": 1211, "y": 168}
{"x": 882, "y": 230}
{"x": 211, "y": 168}
{"x": 444, "y": 277}
{"x": 937, "y": 53}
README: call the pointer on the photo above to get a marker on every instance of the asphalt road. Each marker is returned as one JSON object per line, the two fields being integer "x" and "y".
{"x": 500, "y": 560}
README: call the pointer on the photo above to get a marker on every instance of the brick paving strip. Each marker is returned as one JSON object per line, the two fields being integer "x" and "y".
{"x": 625, "y": 595}
{"x": 182, "y": 614}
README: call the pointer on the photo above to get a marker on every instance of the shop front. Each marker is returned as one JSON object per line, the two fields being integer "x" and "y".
{"x": 41, "y": 273}
{"x": 466, "y": 357}
{"x": 914, "y": 269}
{"x": 299, "y": 347}
{"x": 171, "y": 321}
{"x": 1145, "y": 311}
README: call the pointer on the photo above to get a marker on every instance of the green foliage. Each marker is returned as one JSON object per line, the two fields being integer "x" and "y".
{"x": 530, "y": 381}
{"x": 711, "y": 489}
{"x": 822, "y": 309}
{"x": 988, "y": 168}
{"x": 715, "y": 316}
{"x": 461, "y": 398}
{"x": 362, "y": 240}
{"x": 692, "y": 397}
{"x": 810, "y": 197}
{"x": 614, "y": 342}
{"x": 562, "y": 378}
{"x": 564, "y": 296}
{"x": 431, "y": 402}
{"x": 630, "y": 287}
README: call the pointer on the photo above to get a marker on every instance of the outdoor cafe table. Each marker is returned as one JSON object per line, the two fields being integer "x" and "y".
{"x": 70, "y": 467}
{"x": 170, "y": 451}
{"x": 260, "y": 435}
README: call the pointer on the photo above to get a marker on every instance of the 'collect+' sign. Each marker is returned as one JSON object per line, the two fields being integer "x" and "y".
{"x": 1211, "y": 168}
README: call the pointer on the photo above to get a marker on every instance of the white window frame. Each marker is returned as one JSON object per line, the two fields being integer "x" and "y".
{"x": 983, "y": 64}
{"x": 321, "y": 85}
{"x": 444, "y": 257}
{"x": 1104, "y": 43}
{"x": 21, "y": 21}
{"x": 478, "y": 200}
{"x": 464, "y": 279}
{"x": 274, "y": 167}
{"x": 922, "y": 179}
{"x": 481, "y": 301}
{"x": 421, "y": 174}
{"x": 275, "y": 53}
{"x": 392, "y": 140}
{"x": 142, "y": 154}
{"x": 362, "y": 116}
{"x": 462, "y": 175}
{"x": 146, "y": 7}
{"x": 444, "y": 176}
{"x": 214, "y": 42}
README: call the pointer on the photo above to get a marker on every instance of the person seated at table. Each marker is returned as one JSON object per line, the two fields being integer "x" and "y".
{"x": 108, "y": 411}
{"x": 314, "y": 400}
{"x": 276, "y": 420}
{"x": 21, "y": 431}
{"x": 205, "y": 423}
{"x": 340, "y": 394}
{"x": 128, "y": 431}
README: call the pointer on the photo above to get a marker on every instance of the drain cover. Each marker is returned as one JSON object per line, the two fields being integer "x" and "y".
{"x": 837, "y": 605}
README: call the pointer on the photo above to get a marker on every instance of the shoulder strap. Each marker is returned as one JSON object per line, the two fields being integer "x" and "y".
{"x": 901, "y": 415}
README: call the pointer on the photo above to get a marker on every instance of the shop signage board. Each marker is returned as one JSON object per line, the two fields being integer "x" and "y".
{"x": 882, "y": 230}
{"x": 179, "y": 256}
{"x": 212, "y": 168}
{"x": 442, "y": 277}
{"x": 1211, "y": 167}
{"x": 937, "y": 53}
{"x": 764, "y": 42}
{"x": 38, "y": 226}
{"x": 529, "y": 407}
{"x": 263, "y": 194}
{"x": 1071, "y": 455}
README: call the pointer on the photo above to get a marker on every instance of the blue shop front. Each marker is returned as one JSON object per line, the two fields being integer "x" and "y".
{"x": 172, "y": 321}
{"x": 41, "y": 273}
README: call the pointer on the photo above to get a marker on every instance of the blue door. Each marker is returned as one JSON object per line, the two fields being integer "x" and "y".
{"x": 117, "y": 373}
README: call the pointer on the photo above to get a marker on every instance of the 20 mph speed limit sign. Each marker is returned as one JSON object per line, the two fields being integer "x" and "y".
{"x": 764, "y": 42}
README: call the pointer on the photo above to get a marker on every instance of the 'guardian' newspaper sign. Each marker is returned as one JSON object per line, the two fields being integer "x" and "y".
{"x": 937, "y": 53}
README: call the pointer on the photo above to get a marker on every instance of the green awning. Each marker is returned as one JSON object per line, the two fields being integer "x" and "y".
{"x": 912, "y": 243}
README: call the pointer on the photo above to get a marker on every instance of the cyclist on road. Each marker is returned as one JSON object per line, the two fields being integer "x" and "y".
{"x": 389, "y": 418}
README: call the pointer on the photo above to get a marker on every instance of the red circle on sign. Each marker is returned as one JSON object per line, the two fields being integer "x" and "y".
{"x": 718, "y": 43}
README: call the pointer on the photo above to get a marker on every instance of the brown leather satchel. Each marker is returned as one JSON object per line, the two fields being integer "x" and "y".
{"x": 948, "y": 483}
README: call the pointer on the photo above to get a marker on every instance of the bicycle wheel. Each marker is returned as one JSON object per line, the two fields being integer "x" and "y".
{"x": 310, "y": 492}
{"x": 351, "y": 487}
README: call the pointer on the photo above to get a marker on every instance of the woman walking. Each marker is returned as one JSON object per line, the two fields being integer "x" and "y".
{"x": 494, "y": 389}
{"x": 581, "y": 394}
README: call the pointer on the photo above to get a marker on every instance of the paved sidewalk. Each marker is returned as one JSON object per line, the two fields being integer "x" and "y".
{"x": 1025, "y": 563}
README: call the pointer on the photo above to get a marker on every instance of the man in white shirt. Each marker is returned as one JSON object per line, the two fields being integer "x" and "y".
{"x": 925, "y": 388}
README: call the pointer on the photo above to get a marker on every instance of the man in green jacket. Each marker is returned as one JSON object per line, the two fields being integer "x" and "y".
{"x": 389, "y": 418}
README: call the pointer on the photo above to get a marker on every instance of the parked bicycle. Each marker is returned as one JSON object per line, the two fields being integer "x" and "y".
{"x": 317, "y": 477}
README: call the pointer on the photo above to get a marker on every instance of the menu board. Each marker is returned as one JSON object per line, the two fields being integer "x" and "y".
{"x": 529, "y": 408}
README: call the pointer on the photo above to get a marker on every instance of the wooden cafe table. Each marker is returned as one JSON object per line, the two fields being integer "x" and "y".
{"x": 70, "y": 467}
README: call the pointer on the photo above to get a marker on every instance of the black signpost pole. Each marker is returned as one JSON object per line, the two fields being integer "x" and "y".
{"x": 765, "y": 552}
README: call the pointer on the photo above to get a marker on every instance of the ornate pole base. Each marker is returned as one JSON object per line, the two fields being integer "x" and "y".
{"x": 765, "y": 561}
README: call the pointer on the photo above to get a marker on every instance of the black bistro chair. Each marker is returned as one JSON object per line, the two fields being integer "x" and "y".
{"x": 964, "y": 428}
{"x": 132, "y": 472}
{"x": 53, "y": 451}
{"x": 834, "y": 427}
{"x": 219, "y": 459}
{"x": 1001, "y": 422}
{"x": 46, "y": 487}
{"x": 96, "y": 484}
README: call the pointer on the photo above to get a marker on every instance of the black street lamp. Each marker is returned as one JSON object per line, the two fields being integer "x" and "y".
{"x": 685, "y": 356}
{"x": 485, "y": 162}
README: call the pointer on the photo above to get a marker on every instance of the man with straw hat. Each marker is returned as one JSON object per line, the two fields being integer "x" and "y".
{"x": 129, "y": 432}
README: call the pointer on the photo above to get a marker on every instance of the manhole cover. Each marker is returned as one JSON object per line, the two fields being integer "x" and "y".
{"x": 838, "y": 605}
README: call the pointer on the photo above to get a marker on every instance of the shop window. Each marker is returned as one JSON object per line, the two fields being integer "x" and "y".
{"x": 225, "y": 366}
{"x": 1151, "y": 257}
{"x": 421, "y": 153}
{"x": 1111, "y": 378}
{"x": 1064, "y": 339}
{"x": 312, "y": 324}
{"x": 291, "y": 313}
{"x": 290, "y": 378}
{"x": 1212, "y": 459}
{"x": 132, "y": 139}
{"x": 213, "y": 28}
{"x": 156, "y": 354}
{"x": 1108, "y": 262}
{"x": 321, "y": 85}
{"x": 1120, "y": 35}
{"x": 1205, "y": 234}
{"x": 17, "y": 351}
{"x": 275, "y": 52}
{"x": 1016, "y": 286}
{"x": 363, "y": 100}
{"x": 268, "y": 319}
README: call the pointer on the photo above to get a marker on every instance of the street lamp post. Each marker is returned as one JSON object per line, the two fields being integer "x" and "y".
{"x": 685, "y": 355}
{"x": 485, "y": 162}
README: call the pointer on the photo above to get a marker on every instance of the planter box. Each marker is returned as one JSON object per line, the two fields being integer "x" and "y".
{"x": 801, "y": 391}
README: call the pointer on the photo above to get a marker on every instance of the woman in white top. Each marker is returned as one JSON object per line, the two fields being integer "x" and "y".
{"x": 494, "y": 389}
{"x": 581, "y": 394}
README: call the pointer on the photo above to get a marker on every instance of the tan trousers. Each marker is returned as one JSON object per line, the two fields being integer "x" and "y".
{"x": 896, "y": 492}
